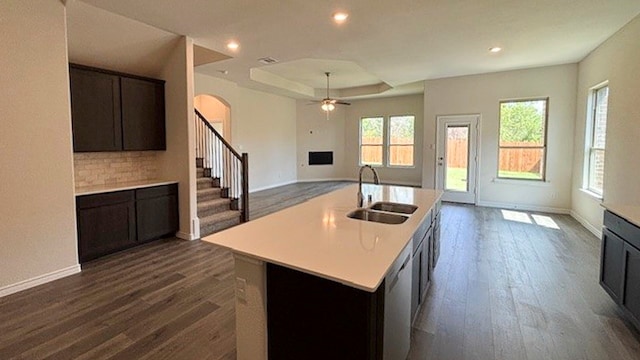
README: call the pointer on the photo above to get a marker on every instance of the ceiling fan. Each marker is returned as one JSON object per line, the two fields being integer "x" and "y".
{"x": 328, "y": 104}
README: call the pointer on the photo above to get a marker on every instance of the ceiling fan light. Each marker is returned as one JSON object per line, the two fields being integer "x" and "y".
{"x": 327, "y": 106}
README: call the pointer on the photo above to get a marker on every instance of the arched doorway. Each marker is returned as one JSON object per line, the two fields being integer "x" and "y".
{"x": 217, "y": 111}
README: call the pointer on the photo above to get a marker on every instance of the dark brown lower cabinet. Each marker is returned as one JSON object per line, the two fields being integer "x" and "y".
{"x": 313, "y": 318}
{"x": 620, "y": 264}
{"x": 106, "y": 224}
{"x": 110, "y": 222}
{"x": 611, "y": 261}
{"x": 157, "y": 212}
{"x": 631, "y": 285}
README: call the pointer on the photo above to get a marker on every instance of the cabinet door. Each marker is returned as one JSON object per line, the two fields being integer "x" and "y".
{"x": 415, "y": 281}
{"x": 436, "y": 241}
{"x": 425, "y": 266}
{"x": 611, "y": 262}
{"x": 143, "y": 115}
{"x": 631, "y": 282}
{"x": 157, "y": 217}
{"x": 105, "y": 229}
{"x": 95, "y": 111}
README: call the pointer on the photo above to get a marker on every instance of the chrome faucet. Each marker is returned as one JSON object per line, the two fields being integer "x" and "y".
{"x": 376, "y": 180}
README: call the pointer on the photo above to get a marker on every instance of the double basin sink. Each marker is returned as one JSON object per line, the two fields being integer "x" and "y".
{"x": 384, "y": 212}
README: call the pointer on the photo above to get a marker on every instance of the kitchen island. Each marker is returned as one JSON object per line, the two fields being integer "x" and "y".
{"x": 313, "y": 283}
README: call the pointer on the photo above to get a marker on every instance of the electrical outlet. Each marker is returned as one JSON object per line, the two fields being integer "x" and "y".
{"x": 241, "y": 289}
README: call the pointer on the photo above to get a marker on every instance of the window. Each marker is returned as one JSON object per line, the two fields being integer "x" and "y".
{"x": 523, "y": 140}
{"x": 387, "y": 141}
{"x": 371, "y": 140}
{"x": 401, "y": 131}
{"x": 595, "y": 142}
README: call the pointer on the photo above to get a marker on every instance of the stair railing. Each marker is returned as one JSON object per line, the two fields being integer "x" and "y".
{"x": 224, "y": 164}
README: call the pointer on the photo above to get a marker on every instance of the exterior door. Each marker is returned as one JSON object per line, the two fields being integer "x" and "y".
{"x": 456, "y": 157}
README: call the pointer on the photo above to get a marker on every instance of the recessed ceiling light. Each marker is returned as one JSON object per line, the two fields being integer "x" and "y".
{"x": 232, "y": 45}
{"x": 495, "y": 49}
{"x": 340, "y": 17}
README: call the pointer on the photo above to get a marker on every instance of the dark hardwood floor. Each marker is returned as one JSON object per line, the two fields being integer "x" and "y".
{"x": 503, "y": 289}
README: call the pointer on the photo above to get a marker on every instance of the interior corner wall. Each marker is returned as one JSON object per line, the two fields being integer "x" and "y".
{"x": 262, "y": 125}
{"x": 178, "y": 162}
{"x": 39, "y": 240}
{"x": 314, "y": 132}
{"x": 267, "y": 132}
{"x": 399, "y": 105}
{"x": 615, "y": 60}
{"x": 481, "y": 94}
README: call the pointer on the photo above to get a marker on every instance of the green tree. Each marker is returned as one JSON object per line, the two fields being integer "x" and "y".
{"x": 522, "y": 121}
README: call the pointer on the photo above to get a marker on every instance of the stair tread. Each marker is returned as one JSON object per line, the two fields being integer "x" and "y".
{"x": 213, "y": 202}
{"x": 204, "y": 179}
{"x": 218, "y": 217}
{"x": 207, "y": 191}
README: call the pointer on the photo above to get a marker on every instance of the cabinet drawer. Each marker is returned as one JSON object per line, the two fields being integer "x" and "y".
{"x": 157, "y": 191}
{"x": 622, "y": 228}
{"x": 90, "y": 201}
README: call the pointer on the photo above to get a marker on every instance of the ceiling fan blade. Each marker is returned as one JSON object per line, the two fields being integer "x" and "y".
{"x": 314, "y": 102}
{"x": 340, "y": 102}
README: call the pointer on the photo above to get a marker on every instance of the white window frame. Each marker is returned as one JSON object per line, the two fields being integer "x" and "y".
{"x": 384, "y": 136}
{"x": 543, "y": 147}
{"x": 386, "y": 142}
{"x": 589, "y": 137}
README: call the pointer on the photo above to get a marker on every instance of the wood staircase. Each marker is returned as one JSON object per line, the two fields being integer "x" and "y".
{"x": 216, "y": 212}
{"x": 222, "y": 180}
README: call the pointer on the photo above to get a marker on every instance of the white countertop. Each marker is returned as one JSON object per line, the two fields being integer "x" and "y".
{"x": 316, "y": 236}
{"x": 97, "y": 189}
{"x": 631, "y": 213}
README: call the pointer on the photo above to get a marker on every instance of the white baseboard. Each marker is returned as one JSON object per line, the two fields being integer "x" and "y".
{"x": 186, "y": 236}
{"x": 39, "y": 280}
{"x": 273, "y": 186}
{"x": 324, "y": 179}
{"x": 544, "y": 209}
{"x": 399, "y": 183}
{"x": 594, "y": 230}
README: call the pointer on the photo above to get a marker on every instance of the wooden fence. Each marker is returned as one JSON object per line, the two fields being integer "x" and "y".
{"x": 398, "y": 155}
{"x": 518, "y": 160}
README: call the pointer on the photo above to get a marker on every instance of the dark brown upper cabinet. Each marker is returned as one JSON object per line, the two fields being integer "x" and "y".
{"x": 95, "y": 111}
{"x": 114, "y": 112}
{"x": 142, "y": 107}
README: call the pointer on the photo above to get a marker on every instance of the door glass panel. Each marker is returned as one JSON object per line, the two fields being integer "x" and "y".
{"x": 457, "y": 158}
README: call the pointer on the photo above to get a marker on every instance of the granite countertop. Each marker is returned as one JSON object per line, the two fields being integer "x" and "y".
{"x": 631, "y": 213}
{"x": 317, "y": 237}
{"x": 97, "y": 189}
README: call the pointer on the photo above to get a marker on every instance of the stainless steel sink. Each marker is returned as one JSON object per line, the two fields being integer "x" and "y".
{"x": 394, "y": 207}
{"x": 369, "y": 215}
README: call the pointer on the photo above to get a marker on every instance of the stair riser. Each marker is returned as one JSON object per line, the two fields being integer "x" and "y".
{"x": 208, "y": 196}
{"x": 204, "y": 184}
{"x": 200, "y": 173}
{"x": 214, "y": 210}
{"x": 210, "y": 229}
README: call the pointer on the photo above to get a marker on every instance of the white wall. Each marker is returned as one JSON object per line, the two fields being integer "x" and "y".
{"x": 218, "y": 114}
{"x": 616, "y": 60}
{"x": 262, "y": 125}
{"x": 340, "y": 134}
{"x": 178, "y": 162}
{"x": 38, "y": 205}
{"x": 480, "y": 94}
{"x": 401, "y": 105}
{"x": 317, "y": 133}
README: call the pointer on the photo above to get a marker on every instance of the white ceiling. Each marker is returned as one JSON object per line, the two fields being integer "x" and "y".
{"x": 398, "y": 43}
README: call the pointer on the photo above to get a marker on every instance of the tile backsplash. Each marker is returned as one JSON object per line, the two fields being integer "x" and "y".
{"x": 102, "y": 168}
